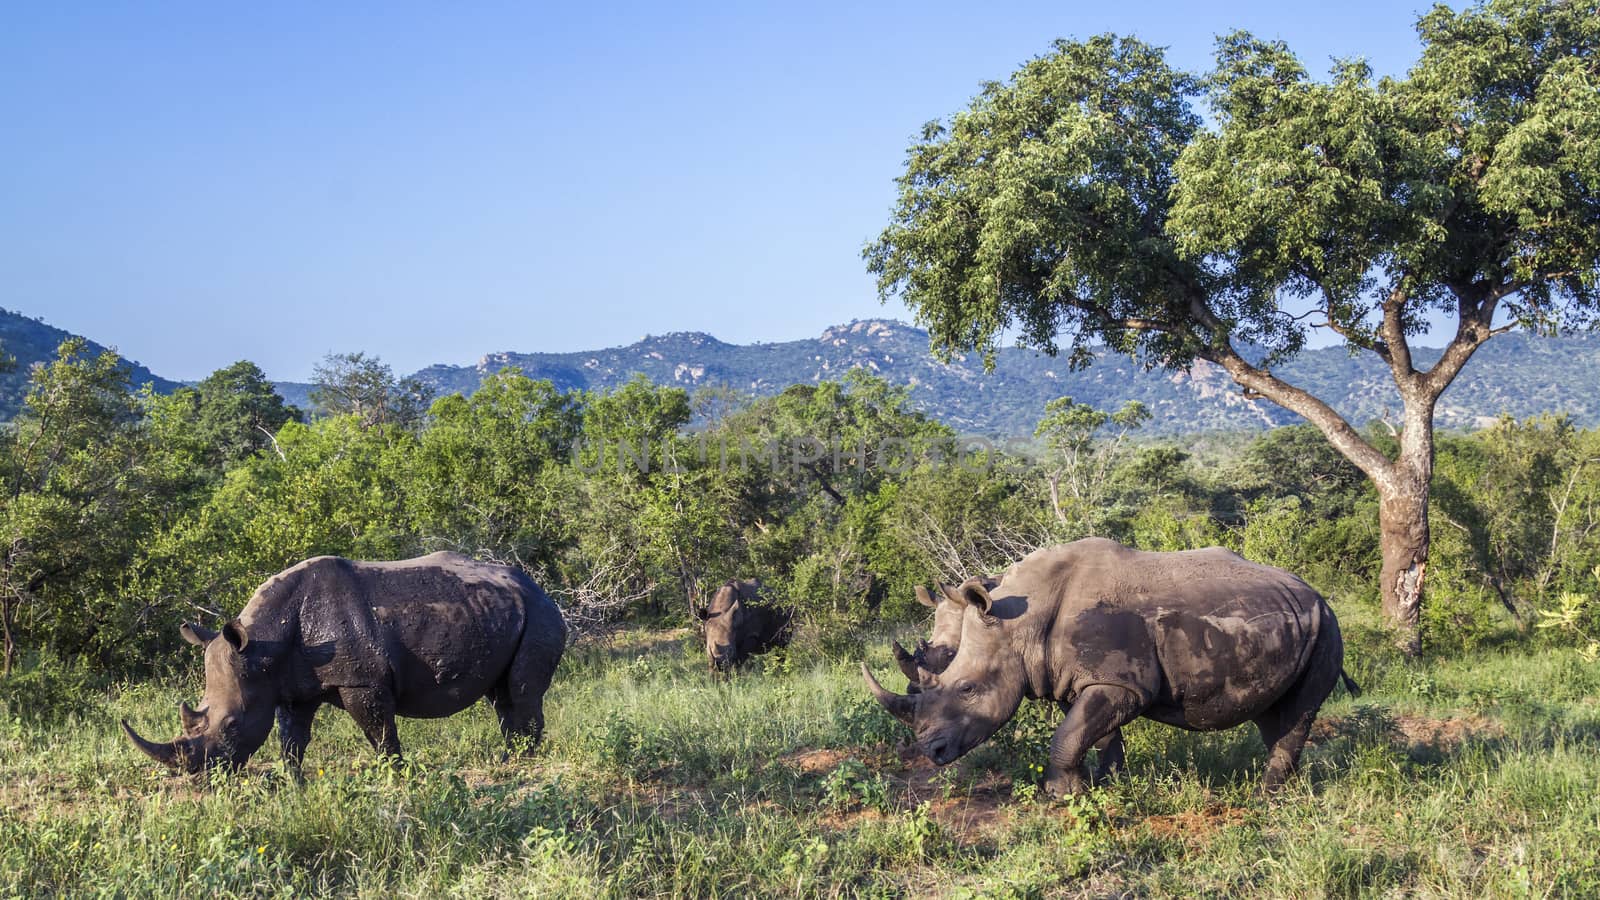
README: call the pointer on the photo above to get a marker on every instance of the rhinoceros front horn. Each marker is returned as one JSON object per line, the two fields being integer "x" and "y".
{"x": 189, "y": 716}
{"x": 166, "y": 754}
{"x": 899, "y": 705}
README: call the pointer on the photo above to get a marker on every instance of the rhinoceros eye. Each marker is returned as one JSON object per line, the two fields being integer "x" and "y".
{"x": 967, "y": 688}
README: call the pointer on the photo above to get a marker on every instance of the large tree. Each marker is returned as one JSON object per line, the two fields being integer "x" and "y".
{"x": 234, "y": 413}
{"x": 1084, "y": 201}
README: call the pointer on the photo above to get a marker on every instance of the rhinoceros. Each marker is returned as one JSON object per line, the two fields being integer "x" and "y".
{"x": 934, "y": 654}
{"x": 1199, "y": 639}
{"x": 737, "y": 625}
{"x": 422, "y": 638}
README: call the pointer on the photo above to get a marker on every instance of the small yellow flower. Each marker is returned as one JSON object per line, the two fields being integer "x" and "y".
{"x": 261, "y": 849}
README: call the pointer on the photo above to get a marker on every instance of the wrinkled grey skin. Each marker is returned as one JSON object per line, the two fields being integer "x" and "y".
{"x": 422, "y": 638}
{"x": 1202, "y": 640}
{"x": 935, "y": 653}
{"x": 738, "y": 626}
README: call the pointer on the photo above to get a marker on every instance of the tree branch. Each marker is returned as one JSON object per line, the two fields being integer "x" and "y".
{"x": 1473, "y": 318}
{"x": 1398, "y": 349}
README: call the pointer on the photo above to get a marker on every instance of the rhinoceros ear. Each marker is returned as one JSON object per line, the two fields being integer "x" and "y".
{"x": 925, "y": 598}
{"x": 234, "y": 634}
{"x": 197, "y": 634}
{"x": 974, "y": 593}
{"x": 953, "y": 594}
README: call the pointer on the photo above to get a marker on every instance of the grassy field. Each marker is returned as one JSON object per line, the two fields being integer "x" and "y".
{"x": 1476, "y": 776}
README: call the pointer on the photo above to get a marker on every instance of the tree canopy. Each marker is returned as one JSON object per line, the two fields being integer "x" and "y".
{"x": 1084, "y": 202}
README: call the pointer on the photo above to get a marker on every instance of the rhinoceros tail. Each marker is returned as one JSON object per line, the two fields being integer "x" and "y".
{"x": 1350, "y": 683}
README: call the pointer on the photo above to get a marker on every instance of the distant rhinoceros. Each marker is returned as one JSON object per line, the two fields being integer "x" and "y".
{"x": 422, "y": 638}
{"x": 1200, "y": 639}
{"x": 737, "y": 625}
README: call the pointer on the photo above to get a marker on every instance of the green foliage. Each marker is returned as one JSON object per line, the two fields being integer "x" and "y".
{"x": 488, "y": 474}
{"x": 1578, "y": 616}
{"x": 337, "y": 488}
{"x": 49, "y": 692}
{"x": 232, "y": 414}
{"x": 82, "y": 483}
{"x": 1043, "y": 199}
{"x": 1079, "y": 461}
{"x": 852, "y": 784}
{"x": 131, "y": 513}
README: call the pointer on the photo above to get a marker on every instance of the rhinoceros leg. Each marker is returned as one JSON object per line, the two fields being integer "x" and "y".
{"x": 1286, "y": 724}
{"x": 1097, "y": 715}
{"x": 1111, "y": 756}
{"x": 518, "y": 698}
{"x": 373, "y": 710}
{"x": 294, "y": 732}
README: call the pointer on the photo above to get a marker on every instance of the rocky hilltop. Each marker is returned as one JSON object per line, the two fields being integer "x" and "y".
{"x": 1517, "y": 374}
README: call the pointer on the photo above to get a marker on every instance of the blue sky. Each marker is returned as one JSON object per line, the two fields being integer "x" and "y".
{"x": 197, "y": 184}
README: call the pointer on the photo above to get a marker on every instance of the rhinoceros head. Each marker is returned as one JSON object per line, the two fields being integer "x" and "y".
{"x": 723, "y": 619}
{"x": 234, "y": 717}
{"x": 953, "y": 711}
{"x": 935, "y": 653}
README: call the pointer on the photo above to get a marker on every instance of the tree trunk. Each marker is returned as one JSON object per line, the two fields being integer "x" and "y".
{"x": 10, "y": 650}
{"x": 1403, "y": 526}
{"x": 1403, "y": 540}
{"x": 1054, "y": 480}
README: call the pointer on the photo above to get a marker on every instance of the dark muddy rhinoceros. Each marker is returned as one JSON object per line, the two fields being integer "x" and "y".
{"x": 1201, "y": 639}
{"x": 738, "y": 625}
{"x": 422, "y": 638}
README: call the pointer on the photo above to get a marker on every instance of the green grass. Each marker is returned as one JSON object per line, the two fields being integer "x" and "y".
{"x": 1477, "y": 776}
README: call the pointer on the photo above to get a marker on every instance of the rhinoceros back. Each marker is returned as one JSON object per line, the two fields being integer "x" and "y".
{"x": 1242, "y": 634}
{"x": 439, "y": 630}
{"x": 1209, "y": 638}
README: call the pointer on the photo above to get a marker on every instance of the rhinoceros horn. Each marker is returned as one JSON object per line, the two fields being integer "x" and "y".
{"x": 166, "y": 754}
{"x": 190, "y": 717}
{"x": 899, "y": 705}
{"x": 907, "y": 662}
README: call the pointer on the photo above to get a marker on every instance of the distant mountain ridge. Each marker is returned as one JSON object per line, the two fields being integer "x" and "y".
{"x": 29, "y": 341}
{"x": 1514, "y": 373}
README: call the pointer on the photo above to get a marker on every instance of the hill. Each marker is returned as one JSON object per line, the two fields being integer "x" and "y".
{"x": 29, "y": 341}
{"x": 1517, "y": 374}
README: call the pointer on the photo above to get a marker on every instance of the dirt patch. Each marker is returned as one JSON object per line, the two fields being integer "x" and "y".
{"x": 841, "y": 820}
{"x": 1413, "y": 732}
{"x": 974, "y": 817}
{"x": 1447, "y": 734}
{"x": 816, "y": 762}
{"x": 970, "y": 805}
{"x": 1196, "y": 827}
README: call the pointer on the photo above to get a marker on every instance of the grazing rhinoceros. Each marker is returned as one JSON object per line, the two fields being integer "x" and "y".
{"x": 934, "y": 654}
{"x": 737, "y": 625}
{"x": 1201, "y": 639}
{"x": 422, "y": 638}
